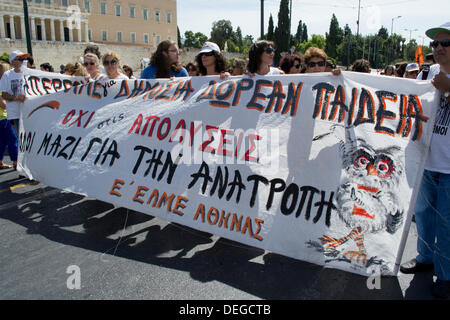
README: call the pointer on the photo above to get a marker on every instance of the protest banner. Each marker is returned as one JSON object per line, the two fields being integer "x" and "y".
{"x": 316, "y": 167}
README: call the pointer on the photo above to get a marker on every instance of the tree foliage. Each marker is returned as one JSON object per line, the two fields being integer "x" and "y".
{"x": 221, "y": 31}
{"x": 334, "y": 37}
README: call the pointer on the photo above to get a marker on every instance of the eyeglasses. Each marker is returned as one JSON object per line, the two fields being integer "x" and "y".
{"x": 313, "y": 64}
{"x": 208, "y": 54}
{"x": 297, "y": 66}
{"x": 445, "y": 43}
{"x": 269, "y": 50}
{"x": 108, "y": 62}
{"x": 89, "y": 64}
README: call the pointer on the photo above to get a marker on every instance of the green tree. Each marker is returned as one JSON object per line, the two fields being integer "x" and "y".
{"x": 299, "y": 33}
{"x": 270, "y": 31}
{"x": 333, "y": 38}
{"x": 282, "y": 32}
{"x": 237, "y": 37}
{"x": 194, "y": 40}
{"x": 221, "y": 31}
{"x": 180, "y": 45}
{"x": 305, "y": 33}
{"x": 317, "y": 41}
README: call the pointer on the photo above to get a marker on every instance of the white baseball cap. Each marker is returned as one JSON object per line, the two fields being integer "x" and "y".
{"x": 17, "y": 53}
{"x": 412, "y": 67}
{"x": 434, "y": 31}
{"x": 209, "y": 46}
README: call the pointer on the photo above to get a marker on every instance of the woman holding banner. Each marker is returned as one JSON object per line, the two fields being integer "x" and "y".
{"x": 165, "y": 63}
{"x": 261, "y": 59}
{"x": 111, "y": 62}
{"x": 211, "y": 62}
{"x": 92, "y": 66}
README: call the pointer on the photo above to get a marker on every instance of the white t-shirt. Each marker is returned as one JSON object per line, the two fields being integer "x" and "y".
{"x": 272, "y": 72}
{"x": 12, "y": 83}
{"x": 119, "y": 77}
{"x": 439, "y": 156}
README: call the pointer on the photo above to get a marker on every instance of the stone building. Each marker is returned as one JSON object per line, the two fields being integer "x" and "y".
{"x": 137, "y": 22}
{"x": 59, "y": 28}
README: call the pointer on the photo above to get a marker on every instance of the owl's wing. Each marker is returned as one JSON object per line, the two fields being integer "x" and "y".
{"x": 393, "y": 222}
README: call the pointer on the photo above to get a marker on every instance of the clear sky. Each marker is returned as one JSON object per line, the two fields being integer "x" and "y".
{"x": 199, "y": 15}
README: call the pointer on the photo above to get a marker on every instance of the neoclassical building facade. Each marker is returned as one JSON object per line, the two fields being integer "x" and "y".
{"x": 136, "y": 22}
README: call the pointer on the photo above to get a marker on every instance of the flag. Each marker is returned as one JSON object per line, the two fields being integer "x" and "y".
{"x": 419, "y": 55}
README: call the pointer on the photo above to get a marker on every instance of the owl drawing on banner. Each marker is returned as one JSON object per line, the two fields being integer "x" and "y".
{"x": 368, "y": 199}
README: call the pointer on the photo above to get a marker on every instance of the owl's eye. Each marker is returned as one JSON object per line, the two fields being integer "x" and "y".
{"x": 385, "y": 167}
{"x": 361, "y": 161}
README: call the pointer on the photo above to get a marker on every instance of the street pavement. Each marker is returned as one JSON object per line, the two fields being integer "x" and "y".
{"x": 59, "y": 245}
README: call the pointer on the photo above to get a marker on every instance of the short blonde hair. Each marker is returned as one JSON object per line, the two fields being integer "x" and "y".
{"x": 75, "y": 69}
{"x": 313, "y": 52}
{"x": 92, "y": 56}
{"x": 112, "y": 54}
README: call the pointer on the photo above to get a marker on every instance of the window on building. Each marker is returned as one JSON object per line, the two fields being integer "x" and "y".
{"x": 104, "y": 35}
{"x": 37, "y": 1}
{"x": 132, "y": 12}
{"x": 87, "y": 6}
{"x": 47, "y": 1}
{"x": 169, "y": 17}
{"x": 133, "y": 37}
{"x": 119, "y": 36}
{"x": 146, "y": 38}
{"x": 157, "y": 16}
{"x": 64, "y": 3}
{"x": 157, "y": 39}
{"x": 90, "y": 34}
{"x": 102, "y": 7}
{"x": 145, "y": 14}
{"x": 118, "y": 10}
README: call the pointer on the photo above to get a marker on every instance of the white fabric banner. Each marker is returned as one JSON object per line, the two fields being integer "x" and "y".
{"x": 316, "y": 167}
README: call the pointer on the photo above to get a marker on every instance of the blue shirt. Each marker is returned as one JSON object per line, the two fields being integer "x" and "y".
{"x": 150, "y": 72}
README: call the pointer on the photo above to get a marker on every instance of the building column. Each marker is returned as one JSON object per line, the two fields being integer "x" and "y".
{"x": 11, "y": 26}
{"x": 79, "y": 34}
{"x": 22, "y": 27}
{"x": 52, "y": 29}
{"x": 33, "y": 28}
{"x": 70, "y": 30}
{"x": 2, "y": 27}
{"x": 86, "y": 31}
{"x": 61, "y": 29}
{"x": 44, "y": 29}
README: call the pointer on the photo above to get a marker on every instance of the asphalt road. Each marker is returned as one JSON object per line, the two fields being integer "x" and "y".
{"x": 59, "y": 245}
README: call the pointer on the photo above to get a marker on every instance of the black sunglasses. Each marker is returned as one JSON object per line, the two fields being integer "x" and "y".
{"x": 269, "y": 50}
{"x": 297, "y": 66}
{"x": 107, "y": 62}
{"x": 313, "y": 64}
{"x": 88, "y": 64}
{"x": 445, "y": 43}
{"x": 208, "y": 54}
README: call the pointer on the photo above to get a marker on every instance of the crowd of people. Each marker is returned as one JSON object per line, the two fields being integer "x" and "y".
{"x": 432, "y": 211}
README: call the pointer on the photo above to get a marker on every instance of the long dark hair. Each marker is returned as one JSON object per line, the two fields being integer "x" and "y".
{"x": 288, "y": 61}
{"x": 254, "y": 55}
{"x": 162, "y": 62}
{"x": 221, "y": 63}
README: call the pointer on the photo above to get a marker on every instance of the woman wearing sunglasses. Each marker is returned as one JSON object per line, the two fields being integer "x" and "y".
{"x": 261, "y": 59}
{"x": 291, "y": 63}
{"x": 111, "y": 62}
{"x": 164, "y": 62}
{"x": 92, "y": 66}
{"x": 211, "y": 62}
{"x": 315, "y": 60}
